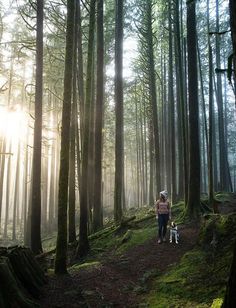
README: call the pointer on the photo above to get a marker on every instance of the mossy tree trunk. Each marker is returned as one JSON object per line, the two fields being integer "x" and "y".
{"x": 193, "y": 205}
{"x": 61, "y": 246}
{"x": 119, "y": 134}
{"x": 72, "y": 199}
{"x": 211, "y": 119}
{"x": 153, "y": 94}
{"x": 98, "y": 217}
{"x": 232, "y": 11}
{"x": 224, "y": 178}
{"x": 83, "y": 246}
{"x": 171, "y": 101}
{"x": 182, "y": 142}
{"x": 35, "y": 241}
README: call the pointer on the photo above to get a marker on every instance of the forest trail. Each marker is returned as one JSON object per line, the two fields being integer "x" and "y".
{"x": 117, "y": 281}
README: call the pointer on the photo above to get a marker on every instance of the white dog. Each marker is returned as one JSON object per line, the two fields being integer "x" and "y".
{"x": 174, "y": 232}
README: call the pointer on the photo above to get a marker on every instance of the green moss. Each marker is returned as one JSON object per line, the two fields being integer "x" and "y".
{"x": 224, "y": 196}
{"x": 177, "y": 211}
{"x": 50, "y": 272}
{"x": 192, "y": 283}
{"x": 138, "y": 237}
{"x": 77, "y": 267}
{"x": 49, "y": 243}
{"x": 217, "y": 303}
{"x": 218, "y": 228}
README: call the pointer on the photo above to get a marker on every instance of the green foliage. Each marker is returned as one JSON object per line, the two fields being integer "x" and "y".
{"x": 224, "y": 196}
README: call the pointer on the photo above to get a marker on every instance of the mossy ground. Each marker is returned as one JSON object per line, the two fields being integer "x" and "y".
{"x": 199, "y": 280}
{"x": 192, "y": 283}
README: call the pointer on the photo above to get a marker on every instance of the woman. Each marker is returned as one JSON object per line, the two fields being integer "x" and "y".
{"x": 163, "y": 214}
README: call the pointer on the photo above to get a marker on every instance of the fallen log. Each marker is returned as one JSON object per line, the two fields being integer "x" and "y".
{"x": 102, "y": 233}
{"x": 145, "y": 218}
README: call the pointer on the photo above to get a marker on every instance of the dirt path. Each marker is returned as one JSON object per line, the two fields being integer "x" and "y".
{"x": 117, "y": 281}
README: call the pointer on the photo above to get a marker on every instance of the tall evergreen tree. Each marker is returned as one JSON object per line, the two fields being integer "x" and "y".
{"x": 211, "y": 119}
{"x": 36, "y": 244}
{"x": 172, "y": 174}
{"x": 224, "y": 179}
{"x": 119, "y": 141}
{"x": 232, "y": 11}
{"x": 72, "y": 199}
{"x": 152, "y": 89}
{"x": 180, "y": 81}
{"x": 83, "y": 246}
{"x": 97, "y": 217}
{"x": 193, "y": 205}
{"x": 61, "y": 247}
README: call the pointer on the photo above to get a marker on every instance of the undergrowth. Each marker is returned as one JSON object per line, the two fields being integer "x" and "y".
{"x": 200, "y": 278}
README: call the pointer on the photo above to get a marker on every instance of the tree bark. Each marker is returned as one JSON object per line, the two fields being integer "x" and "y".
{"x": 98, "y": 215}
{"x": 83, "y": 246}
{"x": 72, "y": 199}
{"x": 61, "y": 246}
{"x": 193, "y": 205}
{"x": 119, "y": 134}
{"x": 35, "y": 243}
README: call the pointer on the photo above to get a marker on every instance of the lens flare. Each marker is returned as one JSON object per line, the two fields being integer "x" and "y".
{"x": 13, "y": 122}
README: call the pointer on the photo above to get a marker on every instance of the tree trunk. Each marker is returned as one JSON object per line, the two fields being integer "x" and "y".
{"x": 232, "y": 11}
{"x": 61, "y": 247}
{"x": 72, "y": 229}
{"x": 16, "y": 194}
{"x": 36, "y": 244}
{"x": 211, "y": 119}
{"x": 98, "y": 216}
{"x": 119, "y": 137}
{"x": 83, "y": 246}
{"x": 2, "y": 171}
{"x": 8, "y": 187}
{"x": 152, "y": 86}
{"x": 80, "y": 73}
{"x": 193, "y": 206}
{"x": 151, "y": 147}
{"x": 183, "y": 161}
{"x": 171, "y": 150}
{"x": 137, "y": 151}
{"x": 223, "y": 160}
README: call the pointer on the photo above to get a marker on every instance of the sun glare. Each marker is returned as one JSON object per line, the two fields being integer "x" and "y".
{"x": 13, "y": 122}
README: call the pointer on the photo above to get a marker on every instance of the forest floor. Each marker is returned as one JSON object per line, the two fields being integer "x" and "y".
{"x": 117, "y": 280}
{"x": 126, "y": 267}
